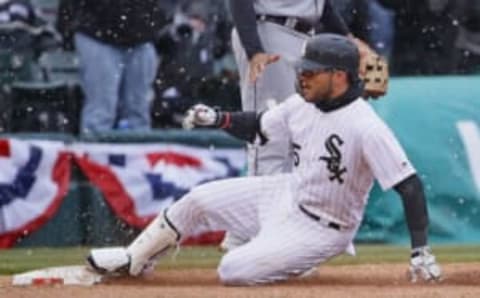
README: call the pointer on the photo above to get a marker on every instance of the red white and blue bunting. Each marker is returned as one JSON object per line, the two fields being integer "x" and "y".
{"x": 34, "y": 179}
{"x": 138, "y": 181}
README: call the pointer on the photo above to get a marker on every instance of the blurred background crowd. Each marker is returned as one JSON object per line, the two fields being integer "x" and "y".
{"x": 54, "y": 52}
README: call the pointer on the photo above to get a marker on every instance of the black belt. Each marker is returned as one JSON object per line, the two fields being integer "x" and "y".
{"x": 290, "y": 22}
{"x": 315, "y": 217}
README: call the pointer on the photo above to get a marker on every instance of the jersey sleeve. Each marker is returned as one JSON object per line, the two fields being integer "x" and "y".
{"x": 273, "y": 123}
{"x": 385, "y": 156}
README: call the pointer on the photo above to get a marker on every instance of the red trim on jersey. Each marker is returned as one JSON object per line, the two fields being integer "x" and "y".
{"x": 227, "y": 120}
{"x": 4, "y": 148}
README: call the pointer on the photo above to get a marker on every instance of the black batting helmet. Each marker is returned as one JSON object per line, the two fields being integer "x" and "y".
{"x": 329, "y": 51}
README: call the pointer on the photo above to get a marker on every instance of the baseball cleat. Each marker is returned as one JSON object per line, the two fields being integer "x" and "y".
{"x": 113, "y": 261}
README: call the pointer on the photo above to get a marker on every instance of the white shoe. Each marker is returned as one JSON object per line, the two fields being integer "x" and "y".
{"x": 113, "y": 261}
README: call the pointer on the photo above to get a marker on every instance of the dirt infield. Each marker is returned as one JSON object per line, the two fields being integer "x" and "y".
{"x": 389, "y": 280}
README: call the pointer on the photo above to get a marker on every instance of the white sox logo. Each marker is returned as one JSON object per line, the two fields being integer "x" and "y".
{"x": 333, "y": 161}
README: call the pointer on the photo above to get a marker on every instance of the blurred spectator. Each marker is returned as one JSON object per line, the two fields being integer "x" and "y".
{"x": 24, "y": 34}
{"x": 467, "y": 54}
{"x": 369, "y": 21}
{"x": 381, "y": 28}
{"x": 355, "y": 14}
{"x": 192, "y": 69}
{"x": 114, "y": 41}
{"x": 425, "y": 31}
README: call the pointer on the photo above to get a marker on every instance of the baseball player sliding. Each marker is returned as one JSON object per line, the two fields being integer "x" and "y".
{"x": 301, "y": 219}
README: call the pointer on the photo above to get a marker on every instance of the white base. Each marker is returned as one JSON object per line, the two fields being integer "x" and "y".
{"x": 67, "y": 275}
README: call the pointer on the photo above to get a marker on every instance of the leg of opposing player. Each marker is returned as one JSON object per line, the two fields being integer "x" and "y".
{"x": 230, "y": 204}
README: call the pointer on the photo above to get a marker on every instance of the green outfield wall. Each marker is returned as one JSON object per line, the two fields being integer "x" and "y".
{"x": 436, "y": 119}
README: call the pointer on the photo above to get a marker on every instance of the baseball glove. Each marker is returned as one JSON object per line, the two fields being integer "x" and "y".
{"x": 374, "y": 73}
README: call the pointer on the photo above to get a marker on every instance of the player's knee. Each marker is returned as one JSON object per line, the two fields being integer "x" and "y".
{"x": 197, "y": 199}
{"x": 231, "y": 272}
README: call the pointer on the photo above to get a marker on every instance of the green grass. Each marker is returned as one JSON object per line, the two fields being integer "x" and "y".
{"x": 20, "y": 260}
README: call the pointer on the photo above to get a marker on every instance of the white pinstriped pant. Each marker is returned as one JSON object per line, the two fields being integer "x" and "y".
{"x": 285, "y": 241}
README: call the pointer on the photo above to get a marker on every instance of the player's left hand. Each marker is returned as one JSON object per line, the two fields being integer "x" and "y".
{"x": 423, "y": 265}
{"x": 200, "y": 115}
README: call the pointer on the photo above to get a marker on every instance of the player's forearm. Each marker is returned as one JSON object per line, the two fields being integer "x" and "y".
{"x": 242, "y": 125}
{"x": 245, "y": 21}
{"x": 415, "y": 207}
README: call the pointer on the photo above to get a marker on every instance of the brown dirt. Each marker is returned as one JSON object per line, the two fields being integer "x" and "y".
{"x": 358, "y": 281}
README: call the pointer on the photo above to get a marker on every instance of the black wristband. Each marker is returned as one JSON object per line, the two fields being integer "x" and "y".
{"x": 242, "y": 125}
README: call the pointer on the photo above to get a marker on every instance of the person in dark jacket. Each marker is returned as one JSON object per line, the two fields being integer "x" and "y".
{"x": 467, "y": 43}
{"x": 425, "y": 33}
{"x": 114, "y": 41}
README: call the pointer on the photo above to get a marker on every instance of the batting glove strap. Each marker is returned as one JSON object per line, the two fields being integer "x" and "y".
{"x": 423, "y": 265}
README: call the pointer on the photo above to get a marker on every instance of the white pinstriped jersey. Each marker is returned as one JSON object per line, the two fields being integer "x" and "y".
{"x": 309, "y": 9}
{"x": 337, "y": 155}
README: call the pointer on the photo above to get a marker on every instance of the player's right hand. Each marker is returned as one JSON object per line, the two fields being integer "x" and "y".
{"x": 423, "y": 265}
{"x": 199, "y": 115}
{"x": 258, "y": 63}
